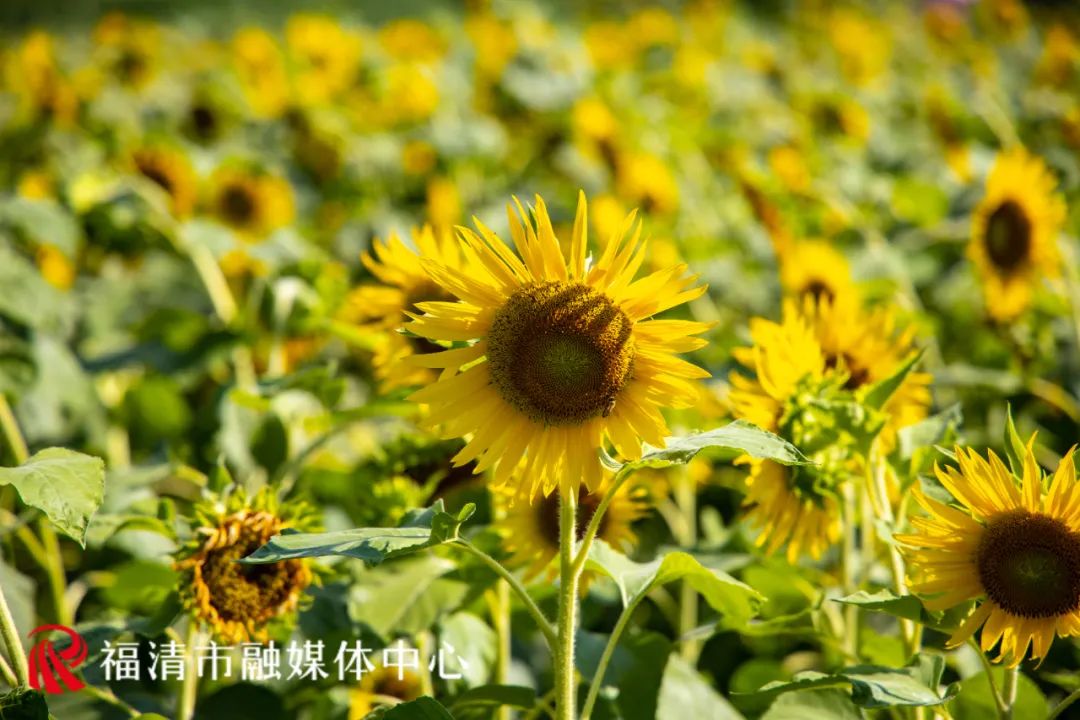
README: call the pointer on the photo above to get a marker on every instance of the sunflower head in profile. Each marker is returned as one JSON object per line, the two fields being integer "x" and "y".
{"x": 171, "y": 171}
{"x": 789, "y": 505}
{"x": 559, "y": 355}
{"x": 238, "y": 602}
{"x": 815, "y": 269}
{"x": 402, "y": 282}
{"x": 378, "y": 686}
{"x": 1006, "y": 543}
{"x": 254, "y": 204}
{"x": 530, "y": 531}
{"x": 1014, "y": 232}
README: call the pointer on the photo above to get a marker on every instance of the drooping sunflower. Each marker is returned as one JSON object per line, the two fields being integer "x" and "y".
{"x": 786, "y": 504}
{"x": 384, "y": 681}
{"x": 815, "y": 268}
{"x": 237, "y": 602}
{"x": 251, "y": 203}
{"x": 530, "y": 531}
{"x": 1009, "y": 545}
{"x": 1014, "y": 232}
{"x": 562, "y": 353}
{"x": 403, "y": 283}
{"x": 169, "y": 169}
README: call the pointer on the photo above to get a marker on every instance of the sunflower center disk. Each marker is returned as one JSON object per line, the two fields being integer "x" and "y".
{"x": 237, "y": 205}
{"x": 560, "y": 352}
{"x": 1008, "y": 236}
{"x": 1029, "y": 564}
{"x": 243, "y": 592}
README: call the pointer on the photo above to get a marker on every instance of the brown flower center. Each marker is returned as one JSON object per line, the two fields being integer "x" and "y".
{"x": 1029, "y": 564}
{"x": 1008, "y": 236}
{"x": 560, "y": 352}
{"x": 237, "y": 204}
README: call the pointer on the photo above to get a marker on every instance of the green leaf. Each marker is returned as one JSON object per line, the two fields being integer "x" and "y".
{"x": 636, "y": 670}
{"x": 684, "y": 693}
{"x": 492, "y": 696}
{"x": 740, "y": 436}
{"x": 424, "y": 708}
{"x": 880, "y": 392}
{"x": 886, "y": 601}
{"x": 27, "y": 298}
{"x": 920, "y": 203}
{"x": 66, "y": 485}
{"x": 1015, "y": 448}
{"x": 734, "y": 600}
{"x": 871, "y": 686}
{"x": 421, "y": 595}
{"x": 929, "y": 431}
{"x": 420, "y": 530}
{"x": 23, "y": 705}
{"x": 816, "y": 704}
{"x": 975, "y": 700}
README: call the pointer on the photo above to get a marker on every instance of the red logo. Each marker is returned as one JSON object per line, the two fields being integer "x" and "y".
{"x": 50, "y": 670}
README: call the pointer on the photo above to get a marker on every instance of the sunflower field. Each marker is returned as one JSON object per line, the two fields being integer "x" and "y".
{"x": 501, "y": 360}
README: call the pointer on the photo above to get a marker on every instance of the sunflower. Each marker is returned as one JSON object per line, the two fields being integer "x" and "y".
{"x": 325, "y": 54}
{"x": 260, "y": 67}
{"x": 384, "y": 681}
{"x": 1008, "y": 545}
{"x": 171, "y": 171}
{"x": 130, "y": 48}
{"x": 562, "y": 353}
{"x": 253, "y": 204}
{"x": 788, "y": 505}
{"x": 530, "y": 531}
{"x": 815, "y": 268}
{"x": 1014, "y": 232}
{"x": 240, "y": 603}
{"x": 403, "y": 282}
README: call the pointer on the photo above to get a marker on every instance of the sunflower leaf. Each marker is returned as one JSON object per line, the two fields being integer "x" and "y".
{"x": 1014, "y": 444}
{"x": 883, "y": 390}
{"x": 422, "y": 708}
{"x": 739, "y": 436}
{"x": 886, "y": 601}
{"x": 734, "y": 600}
{"x": 67, "y": 486}
{"x": 420, "y": 530}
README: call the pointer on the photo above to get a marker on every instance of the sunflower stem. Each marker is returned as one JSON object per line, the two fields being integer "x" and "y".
{"x": 10, "y": 634}
{"x": 686, "y": 498}
{"x": 594, "y": 523}
{"x": 189, "y": 689}
{"x": 988, "y": 669}
{"x": 1008, "y": 692}
{"x": 7, "y": 673}
{"x": 530, "y": 605}
{"x": 605, "y": 657}
{"x": 569, "y": 572}
{"x": 1064, "y": 704}
{"x": 499, "y": 607}
{"x": 847, "y": 569}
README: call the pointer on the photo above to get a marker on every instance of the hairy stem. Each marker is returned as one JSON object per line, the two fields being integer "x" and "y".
{"x": 569, "y": 571}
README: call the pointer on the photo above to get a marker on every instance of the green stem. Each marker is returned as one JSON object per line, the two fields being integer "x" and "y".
{"x": 55, "y": 572}
{"x": 988, "y": 669}
{"x": 530, "y": 605}
{"x": 847, "y": 569}
{"x": 10, "y": 634}
{"x": 499, "y": 606}
{"x": 605, "y": 657}
{"x": 1008, "y": 692}
{"x": 7, "y": 673}
{"x": 108, "y": 697}
{"x": 594, "y": 524}
{"x": 686, "y": 498}
{"x": 1064, "y": 704}
{"x": 14, "y": 437}
{"x": 565, "y": 685}
{"x": 189, "y": 689}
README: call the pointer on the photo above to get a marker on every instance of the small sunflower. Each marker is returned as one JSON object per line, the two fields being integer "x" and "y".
{"x": 382, "y": 308}
{"x": 815, "y": 268}
{"x": 171, "y": 171}
{"x": 376, "y": 686}
{"x": 130, "y": 48}
{"x": 253, "y": 204}
{"x": 325, "y": 56}
{"x": 1009, "y": 545}
{"x": 260, "y": 67}
{"x": 788, "y": 505}
{"x": 1014, "y": 232}
{"x": 239, "y": 603}
{"x": 530, "y": 531}
{"x": 562, "y": 353}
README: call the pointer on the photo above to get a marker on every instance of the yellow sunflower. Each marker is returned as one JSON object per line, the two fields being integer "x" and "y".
{"x": 237, "y": 602}
{"x": 253, "y": 204}
{"x": 325, "y": 54}
{"x": 530, "y": 531}
{"x": 379, "y": 685}
{"x": 784, "y": 503}
{"x": 260, "y": 67}
{"x": 171, "y": 171}
{"x": 1014, "y": 232}
{"x": 1009, "y": 545}
{"x": 815, "y": 268}
{"x": 403, "y": 283}
{"x": 130, "y": 48}
{"x": 562, "y": 353}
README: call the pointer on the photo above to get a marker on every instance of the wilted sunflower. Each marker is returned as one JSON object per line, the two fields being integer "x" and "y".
{"x": 240, "y": 602}
{"x": 170, "y": 170}
{"x": 253, "y": 204}
{"x": 785, "y": 503}
{"x": 1012, "y": 545}
{"x": 815, "y": 268}
{"x": 1014, "y": 232}
{"x": 403, "y": 283}
{"x": 530, "y": 531}
{"x": 384, "y": 681}
{"x": 563, "y": 354}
